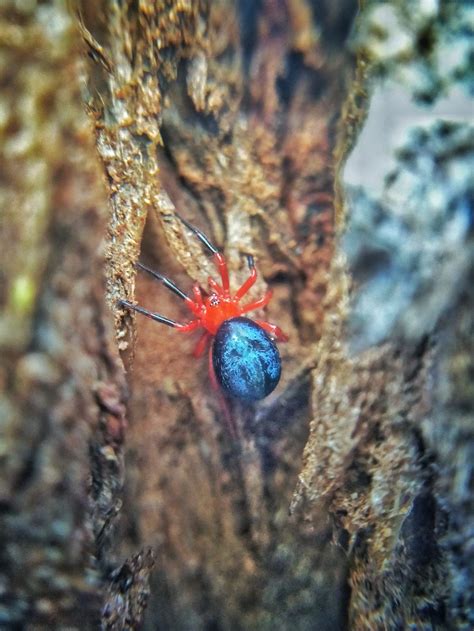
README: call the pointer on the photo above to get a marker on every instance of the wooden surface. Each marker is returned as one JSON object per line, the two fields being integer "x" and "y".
{"x": 124, "y": 501}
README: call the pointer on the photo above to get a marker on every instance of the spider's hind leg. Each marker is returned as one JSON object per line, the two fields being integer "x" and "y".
{"x": 274, "y": 330}
{"x": 258, "y": 304}
{"x": 229, "y": 419}
{"x": 201, "y": 345}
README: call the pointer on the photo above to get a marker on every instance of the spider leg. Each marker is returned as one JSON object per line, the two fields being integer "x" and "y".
{"x": 219, "y": 259}
{"x": 200, "y": 235}
{"x": 197, "y": 295}
{"x": 184, "y": 328}
{"x": 171, "y": 286}
{"x": 214, "y": 286}
{"x": 222, "y": 400}
{"x": 274, "y": 330}
{"x": 201, "y": 345}
{"x": 257, "y": 304}
{"x": 250, "y": 280}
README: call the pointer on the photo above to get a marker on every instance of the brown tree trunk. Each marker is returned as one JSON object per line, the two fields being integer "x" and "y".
{"x": 344, "y": 499}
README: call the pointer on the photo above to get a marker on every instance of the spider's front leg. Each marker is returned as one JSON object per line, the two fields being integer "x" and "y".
{"x": 219, "y": 259}
{"x": 250, "y": 282}
{"x": 193, "y": 306}
{"x": 274, "y": 330}
{"x": 184, "y": 328}
{"x": 223, "y": 271}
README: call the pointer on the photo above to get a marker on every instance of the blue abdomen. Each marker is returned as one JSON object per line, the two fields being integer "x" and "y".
{"x": 246, "y": 361}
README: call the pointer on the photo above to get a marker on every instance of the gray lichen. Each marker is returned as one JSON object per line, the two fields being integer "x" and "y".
{"x": 409, "y": 192}
{"x": 408, "y": 244}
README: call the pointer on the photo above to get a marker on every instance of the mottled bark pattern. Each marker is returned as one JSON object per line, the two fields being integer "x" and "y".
{"x": 62, "y": 382}
{"x": 345, "y": 501}
{"x": 235, "y": 132}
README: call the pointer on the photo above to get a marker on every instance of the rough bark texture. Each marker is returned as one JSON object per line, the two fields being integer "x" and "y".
{"x": 345, "y": 501}
{"x": 62, "y": 382}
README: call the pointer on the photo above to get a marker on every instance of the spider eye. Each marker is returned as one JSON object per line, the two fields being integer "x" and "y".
{"x": 214, "y": 300}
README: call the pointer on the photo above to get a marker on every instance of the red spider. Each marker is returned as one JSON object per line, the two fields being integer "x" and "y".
{"x": 243, "y": 360}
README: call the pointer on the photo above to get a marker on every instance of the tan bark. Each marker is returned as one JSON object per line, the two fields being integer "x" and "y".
{"x": 125, "y": 501}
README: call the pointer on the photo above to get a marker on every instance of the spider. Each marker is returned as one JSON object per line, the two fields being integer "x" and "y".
{"x": 243, "y": 358}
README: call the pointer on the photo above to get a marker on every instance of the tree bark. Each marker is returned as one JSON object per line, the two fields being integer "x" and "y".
{"x": 343, "y": 501}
